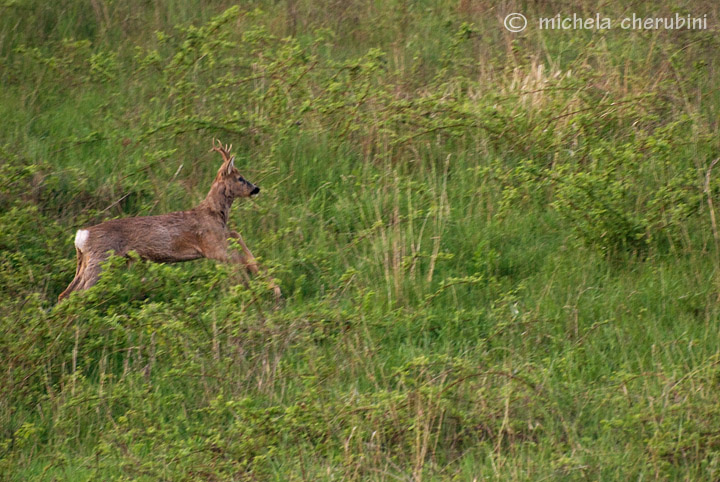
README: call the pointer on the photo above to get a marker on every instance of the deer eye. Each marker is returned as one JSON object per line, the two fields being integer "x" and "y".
{"x": 240, "y": 178}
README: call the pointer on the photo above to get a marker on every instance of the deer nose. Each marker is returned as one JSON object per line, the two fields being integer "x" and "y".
{"x": 255, "y": 191}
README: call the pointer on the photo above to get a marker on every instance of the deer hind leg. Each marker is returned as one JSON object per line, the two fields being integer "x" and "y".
{"x": 91, "y": 274}
{"x": 88, "y": 267}
{"x": 86, "y": 275}
{"x": 78, "y": 274}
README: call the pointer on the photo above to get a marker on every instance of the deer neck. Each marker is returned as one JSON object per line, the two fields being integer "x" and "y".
{"x": 218, "y": 202}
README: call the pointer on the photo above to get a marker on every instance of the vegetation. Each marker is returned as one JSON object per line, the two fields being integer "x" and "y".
{"x": 499, "y": 251}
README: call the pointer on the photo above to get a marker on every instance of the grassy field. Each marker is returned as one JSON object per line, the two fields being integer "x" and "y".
{"x": 499, "y": 251}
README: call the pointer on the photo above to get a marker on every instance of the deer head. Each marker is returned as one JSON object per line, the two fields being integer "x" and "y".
{"x": 228, "y": 174}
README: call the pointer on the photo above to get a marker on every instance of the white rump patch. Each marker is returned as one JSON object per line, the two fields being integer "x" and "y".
{"x": 81, "y": 239}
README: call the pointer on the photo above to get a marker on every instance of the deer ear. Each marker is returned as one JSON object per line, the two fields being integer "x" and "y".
{"x": 231, "y": 164}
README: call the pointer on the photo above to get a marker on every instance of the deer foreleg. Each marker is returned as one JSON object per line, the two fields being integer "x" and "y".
{"x": 247, "y": 259}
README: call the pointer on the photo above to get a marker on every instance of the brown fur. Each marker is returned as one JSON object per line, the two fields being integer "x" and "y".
{"x": 201, "y": 232}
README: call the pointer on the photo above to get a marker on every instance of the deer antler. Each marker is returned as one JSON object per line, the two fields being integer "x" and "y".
{"x": 223, "y": 150}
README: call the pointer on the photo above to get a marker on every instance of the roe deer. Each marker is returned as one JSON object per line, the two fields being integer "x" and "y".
{"x": 201, "y": 232}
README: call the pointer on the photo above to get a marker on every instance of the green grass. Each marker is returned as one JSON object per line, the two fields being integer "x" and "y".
{"x": 497, "y": 250}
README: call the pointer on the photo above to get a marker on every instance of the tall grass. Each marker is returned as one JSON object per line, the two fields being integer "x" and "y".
{"x": 498, "y": 250}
